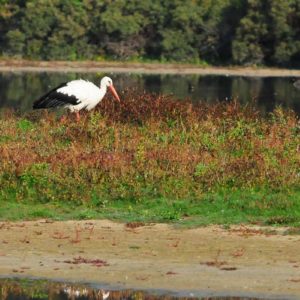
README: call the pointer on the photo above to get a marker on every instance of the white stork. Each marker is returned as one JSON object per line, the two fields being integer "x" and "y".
{"x": 76, "y": 95}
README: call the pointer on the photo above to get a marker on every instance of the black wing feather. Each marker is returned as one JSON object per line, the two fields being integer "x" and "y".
{"x": 53, "y": 99}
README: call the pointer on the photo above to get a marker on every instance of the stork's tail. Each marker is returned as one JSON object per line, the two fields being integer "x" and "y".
{"x": 38, "y": 104}
{"x": 54, "y": 98}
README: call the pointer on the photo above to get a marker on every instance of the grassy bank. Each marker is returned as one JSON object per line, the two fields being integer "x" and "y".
{"x": 152, "y": 159}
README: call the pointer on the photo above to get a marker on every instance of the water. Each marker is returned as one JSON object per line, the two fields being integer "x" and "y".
{"x": 28, "y": 289}
{"x": 19, "y": 90}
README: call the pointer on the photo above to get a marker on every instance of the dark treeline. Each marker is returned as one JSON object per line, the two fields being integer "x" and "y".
{"x": 243, "y": 32}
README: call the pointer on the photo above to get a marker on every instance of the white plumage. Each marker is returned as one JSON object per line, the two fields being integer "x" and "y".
{"x": 85, "y": 91}
{"x": 76, "y": 95}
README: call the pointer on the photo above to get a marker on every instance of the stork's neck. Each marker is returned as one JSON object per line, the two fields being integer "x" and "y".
{"x": 103, "y": 87}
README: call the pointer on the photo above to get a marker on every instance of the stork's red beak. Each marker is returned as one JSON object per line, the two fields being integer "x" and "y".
{"x": 114, "y": 92}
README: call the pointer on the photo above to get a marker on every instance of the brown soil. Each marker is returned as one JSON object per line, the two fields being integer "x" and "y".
{"x": 130, "y": 67}
{"x": 157, "y": 256}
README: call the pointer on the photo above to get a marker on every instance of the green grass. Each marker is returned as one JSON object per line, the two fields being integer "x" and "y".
{"x": 153, "y": 159}
{"x": 222, "y": 208}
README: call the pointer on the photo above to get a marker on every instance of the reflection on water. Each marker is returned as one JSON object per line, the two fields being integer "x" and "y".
{"x": 38, "y": 289}
{"x": 19, "y": 90}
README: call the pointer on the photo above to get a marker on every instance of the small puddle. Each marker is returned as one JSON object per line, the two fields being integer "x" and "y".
{"x": 32, "y": 289}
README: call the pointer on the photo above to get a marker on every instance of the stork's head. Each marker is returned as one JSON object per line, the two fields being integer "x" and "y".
{"x": 107, "y": 83}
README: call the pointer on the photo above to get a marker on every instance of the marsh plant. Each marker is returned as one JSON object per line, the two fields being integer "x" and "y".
{"x": 166, "y": 159}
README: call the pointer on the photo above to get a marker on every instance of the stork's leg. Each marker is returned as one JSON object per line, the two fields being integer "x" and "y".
{"x": 77, "y": 116}
{"x": 63, "y": 119}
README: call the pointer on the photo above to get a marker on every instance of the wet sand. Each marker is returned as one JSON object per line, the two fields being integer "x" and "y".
{"x": 237, "y": 261}
{"x": 145, "y": 68}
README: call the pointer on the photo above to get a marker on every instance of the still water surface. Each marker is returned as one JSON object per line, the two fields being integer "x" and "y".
{"x": 28, "y": 289}
{"x": 19, "y": 90}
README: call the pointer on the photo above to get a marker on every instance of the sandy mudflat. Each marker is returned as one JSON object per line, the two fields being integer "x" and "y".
{"x": 146, "y": 68}
{"x": 238, "y": 260}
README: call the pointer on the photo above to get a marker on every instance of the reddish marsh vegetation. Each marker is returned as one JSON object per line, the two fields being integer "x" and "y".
{"x": 149, "y": 147}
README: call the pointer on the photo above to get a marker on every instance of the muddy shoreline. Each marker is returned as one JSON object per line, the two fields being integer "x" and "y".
{"x": 240, "y": 260}
{"x": 145, "y": 68}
